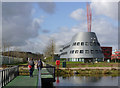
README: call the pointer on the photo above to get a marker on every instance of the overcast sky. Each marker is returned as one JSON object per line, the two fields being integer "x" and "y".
{"x": 29, "y": 26}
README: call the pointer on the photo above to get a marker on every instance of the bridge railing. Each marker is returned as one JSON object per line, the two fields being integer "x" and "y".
{"x": 51, "y": 69}
{"x": 8, "y": 74}
{"x": 39, "y": 79}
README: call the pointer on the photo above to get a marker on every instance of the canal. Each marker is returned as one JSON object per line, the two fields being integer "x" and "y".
{"x": 77, "y": 81}
{"x": 86, "y": 81}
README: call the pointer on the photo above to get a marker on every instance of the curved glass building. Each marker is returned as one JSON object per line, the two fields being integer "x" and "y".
{"x": 84, "y": 47}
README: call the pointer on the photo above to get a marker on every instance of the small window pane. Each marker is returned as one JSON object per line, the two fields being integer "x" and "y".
{"x": 87, "y": 51}
{"x": 74, "y": 43}
{"x": 94, "y": 43}
{"x": 96, "y": 51}
{"x": 76, "y": 51}
{"x": 78, "y": 43}
{"x": 91, "y": 44}
{"x": 91, "y": 51}
{"x": 100, "y": 51}
{"x": 86, "y": 43}
{"x": 72, "y": 51}
{"x": 82, "y": 43}
{"x": 81, "y": 51}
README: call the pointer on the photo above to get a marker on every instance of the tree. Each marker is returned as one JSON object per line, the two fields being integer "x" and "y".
{"x": 6, "y": 47}
{"x": 50, "y": 49}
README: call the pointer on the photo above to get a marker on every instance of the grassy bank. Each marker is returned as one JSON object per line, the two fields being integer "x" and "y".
{"x": 81, "y": 64}
{"x": 113, "y": 72}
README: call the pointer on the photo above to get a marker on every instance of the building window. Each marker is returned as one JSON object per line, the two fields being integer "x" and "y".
{"x": 81, "y": 51}
{"x": 91, "y": 44}
{"x": 78, "y": 43}
{"x": 76, "y": 51}
{"x": 60, "y": 50}
{"x": 96, "y": 51}
{"x": 72, "y": 51}
{"x": 92, "y": 51}
{"x": 82, "y": 43}
{"x": 86, "y": 43}
{"x": 94, "y": 43}
{"x": 87, "y": 51}
{"x": 100, "y": 51}
{"x": 74, "y": 43}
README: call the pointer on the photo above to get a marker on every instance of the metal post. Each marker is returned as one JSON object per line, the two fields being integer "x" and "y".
{"x": 2, "y": 78}
{"x": 18, "y": 70}
{"x": 54, "y": 73}
{"x": 39, "y": 79}
{"x": 8, "y": 75}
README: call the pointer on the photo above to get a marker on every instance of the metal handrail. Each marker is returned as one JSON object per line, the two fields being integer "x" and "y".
{"x": 51, "y": 69}
{"x": 39, "y": 79}
{"x": 8, "y": 74}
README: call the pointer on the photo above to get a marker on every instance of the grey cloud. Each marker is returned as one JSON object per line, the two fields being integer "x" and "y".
{"x": 11, "y": 9}
{"x": 48, "y": 7}
{"x": 17, "y": 23}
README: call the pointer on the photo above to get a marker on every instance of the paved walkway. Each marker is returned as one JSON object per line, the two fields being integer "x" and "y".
{"x": 23, "y": 81}
{"x": 92, "y": 68}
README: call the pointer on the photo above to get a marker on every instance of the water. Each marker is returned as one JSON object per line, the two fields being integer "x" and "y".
{"x": 86, "y": 81}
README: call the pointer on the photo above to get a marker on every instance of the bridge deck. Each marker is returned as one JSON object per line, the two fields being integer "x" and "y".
{"x": 24, "y": 80}
{"x": 31, "y": 81}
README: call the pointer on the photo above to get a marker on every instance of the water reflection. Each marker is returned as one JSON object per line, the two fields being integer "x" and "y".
{"x": 86, "y": 81}
{"x": 57, "y": 81}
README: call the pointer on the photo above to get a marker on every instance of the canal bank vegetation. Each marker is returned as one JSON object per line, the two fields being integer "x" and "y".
{"x": 87, "y": 72}
{"x": 82, "y": 64}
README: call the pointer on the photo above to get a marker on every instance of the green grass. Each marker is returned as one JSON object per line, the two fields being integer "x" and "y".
{"x": 81, "y": 64}
{"x": 22, "y": 63}
{"x": 91, "y": 72}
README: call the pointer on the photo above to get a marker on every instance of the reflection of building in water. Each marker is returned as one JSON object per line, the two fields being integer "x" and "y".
{"x": 83, "y": 79}
{"x": 83, "y": 47}
{"x": 92, "y": 79}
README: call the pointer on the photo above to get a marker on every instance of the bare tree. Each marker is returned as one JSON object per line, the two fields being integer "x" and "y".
{"x": 50, "y": 49}
{"x": 6, "y": 47}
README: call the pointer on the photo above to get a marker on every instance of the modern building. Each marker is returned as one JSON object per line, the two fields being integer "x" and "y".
{"x": 83, "y": 47}
{"x": 107, "y": 51}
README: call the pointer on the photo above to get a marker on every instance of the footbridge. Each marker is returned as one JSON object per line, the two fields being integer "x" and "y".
{"x": 13, "y": 77}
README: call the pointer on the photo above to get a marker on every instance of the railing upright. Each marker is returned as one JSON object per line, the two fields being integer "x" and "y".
{"x": 8, "y": 74}
{"x": 39, "y": 79}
